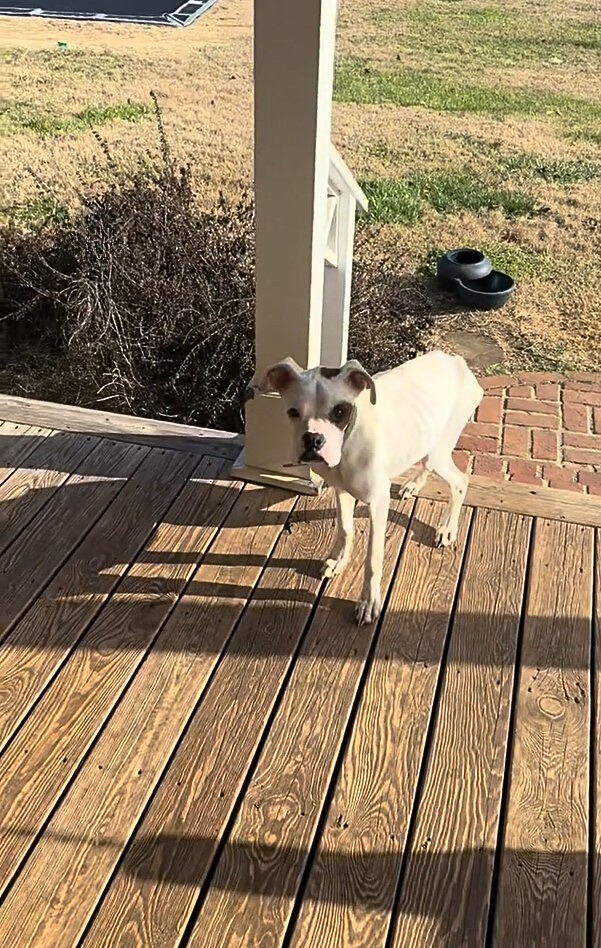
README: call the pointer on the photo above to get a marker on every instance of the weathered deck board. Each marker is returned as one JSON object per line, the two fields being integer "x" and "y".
{"x": 351, "y": 888}
{"x": 39, "y": 644}
{"x": 197, "y": 744}
{"x": 79, "y": 847}
{"x": 567, "y": 506}
{"x": 261, "y": 867}
{"x": 16, "y": 444}
{"x": 446, "y": 886}
{"x": 152, "y": 896}
{"x": 146, "y": 431}
{"x": 33, "y": 559}
{"x": 542, "y": 897}
{"x": 31, "y": 486}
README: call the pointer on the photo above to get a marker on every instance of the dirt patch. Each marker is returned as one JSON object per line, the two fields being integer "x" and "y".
{"x": 481, "y": 352}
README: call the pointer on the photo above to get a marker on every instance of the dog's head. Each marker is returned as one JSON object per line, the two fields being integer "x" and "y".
{"x": 320, "y": 404}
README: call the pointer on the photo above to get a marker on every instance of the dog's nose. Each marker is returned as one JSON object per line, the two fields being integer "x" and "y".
{"x": 313, "y": 440}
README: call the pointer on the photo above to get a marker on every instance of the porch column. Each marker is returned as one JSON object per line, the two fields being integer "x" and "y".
{"x": 294, "y": 44}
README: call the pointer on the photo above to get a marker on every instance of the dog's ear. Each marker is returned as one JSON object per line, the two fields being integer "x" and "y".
{"x": 358, "y": 378}
{"x": 277, "y": 377}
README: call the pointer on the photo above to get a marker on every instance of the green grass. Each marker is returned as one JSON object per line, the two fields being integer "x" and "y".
{"x": 101, "y": 114}
{"x": 37, "y": 213}
{"x": 489, "y": 35}
{"x": 363, "y": 85}
{"x": 404, "y": 200}
{"x": 450, "y": 192}
{"x": 392, "y": 201}
{"x": 554, "y": 171}
{"x": 19, "y": 117}
{"x": 519, "y": 263}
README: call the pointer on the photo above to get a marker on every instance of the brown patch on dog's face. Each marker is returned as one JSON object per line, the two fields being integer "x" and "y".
{"x": 340, "y": 414}
{"x": 328, "y": 373}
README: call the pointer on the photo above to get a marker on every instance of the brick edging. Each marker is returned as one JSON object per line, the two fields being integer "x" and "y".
{"x": 539, "y": 428}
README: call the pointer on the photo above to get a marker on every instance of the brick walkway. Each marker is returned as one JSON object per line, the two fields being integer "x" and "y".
{"x": 537, "y": 428}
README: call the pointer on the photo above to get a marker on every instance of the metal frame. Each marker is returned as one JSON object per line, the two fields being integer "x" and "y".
{"x": 184, "y": 15}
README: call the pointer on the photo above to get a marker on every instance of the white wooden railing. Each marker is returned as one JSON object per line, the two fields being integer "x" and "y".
{"x": 344, "y": 199}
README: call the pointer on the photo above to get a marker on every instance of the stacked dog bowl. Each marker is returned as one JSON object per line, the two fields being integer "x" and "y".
{"x": 470, "y": 274}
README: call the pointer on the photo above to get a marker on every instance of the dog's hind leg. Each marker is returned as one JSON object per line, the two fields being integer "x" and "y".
{"x": 441, "y": 463}
{"x": 440, "y": 459}
{"x": 413, "y": 487}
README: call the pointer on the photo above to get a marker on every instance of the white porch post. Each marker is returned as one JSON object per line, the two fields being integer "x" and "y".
{"x": 294, "y": 69}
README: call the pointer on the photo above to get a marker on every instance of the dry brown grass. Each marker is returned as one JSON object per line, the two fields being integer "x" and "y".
{"x": 203, "y": 77}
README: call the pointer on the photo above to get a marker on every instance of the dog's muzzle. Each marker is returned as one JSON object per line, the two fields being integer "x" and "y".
{"x": 313, "y": 442}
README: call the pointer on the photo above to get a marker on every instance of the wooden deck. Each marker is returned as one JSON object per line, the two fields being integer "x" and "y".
{"x": 199, "y": 747}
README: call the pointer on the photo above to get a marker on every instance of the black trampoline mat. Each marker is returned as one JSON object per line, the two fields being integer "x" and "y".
{"x": 160, "y": 12}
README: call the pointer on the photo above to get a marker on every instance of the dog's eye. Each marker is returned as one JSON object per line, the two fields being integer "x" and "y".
{"x": 292, "y": 413}
{"x": 339, "y": 412}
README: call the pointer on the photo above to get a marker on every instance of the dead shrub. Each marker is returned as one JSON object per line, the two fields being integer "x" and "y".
{"x": 143, "y": 302}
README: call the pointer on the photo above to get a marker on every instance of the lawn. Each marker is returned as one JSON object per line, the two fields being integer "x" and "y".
{"x": 468, "y": 123}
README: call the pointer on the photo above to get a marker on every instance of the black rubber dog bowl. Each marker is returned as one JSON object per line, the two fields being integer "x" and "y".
{"x": 463, "y": 264}
{"x": 491, "y": 292}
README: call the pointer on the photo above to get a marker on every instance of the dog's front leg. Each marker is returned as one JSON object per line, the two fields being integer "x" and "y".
{"x": 341, "y": 554}
{"x": 368, "y": 608}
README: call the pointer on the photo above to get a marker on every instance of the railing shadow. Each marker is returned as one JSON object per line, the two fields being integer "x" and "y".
{"x": 458, "y": 885}
{"x": 47, "y": 455}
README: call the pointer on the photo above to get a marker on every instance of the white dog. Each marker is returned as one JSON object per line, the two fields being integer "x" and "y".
{"x": 360, "y": 432}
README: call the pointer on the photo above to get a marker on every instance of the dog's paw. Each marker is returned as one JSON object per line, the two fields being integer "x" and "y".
{"x": 409, "y": 490}
{"x": 367, "y": 611}
{"x": 333, "y": 567}
{"x": 445, "y": 538}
